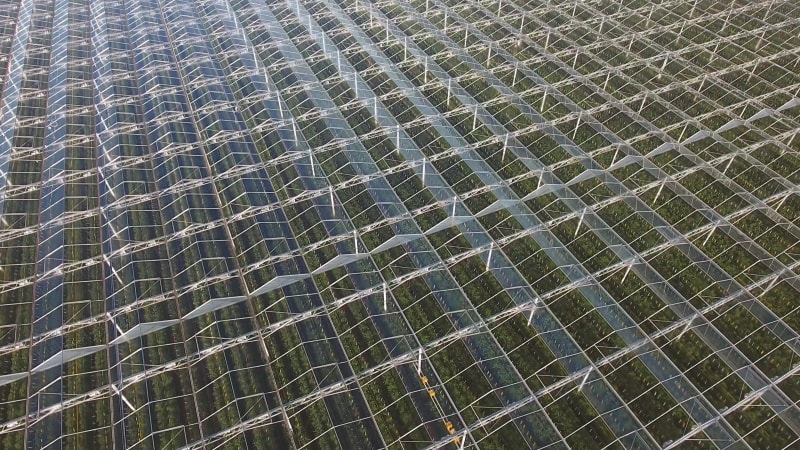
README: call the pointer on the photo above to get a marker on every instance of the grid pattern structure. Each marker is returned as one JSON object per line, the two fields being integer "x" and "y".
{"x": 418, "y": 224}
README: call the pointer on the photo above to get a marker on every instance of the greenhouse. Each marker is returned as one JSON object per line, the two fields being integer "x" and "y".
{"x": 410, "y": 224}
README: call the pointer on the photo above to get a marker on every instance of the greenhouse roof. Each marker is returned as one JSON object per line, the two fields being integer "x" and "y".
{"x": 399, "y": 224}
